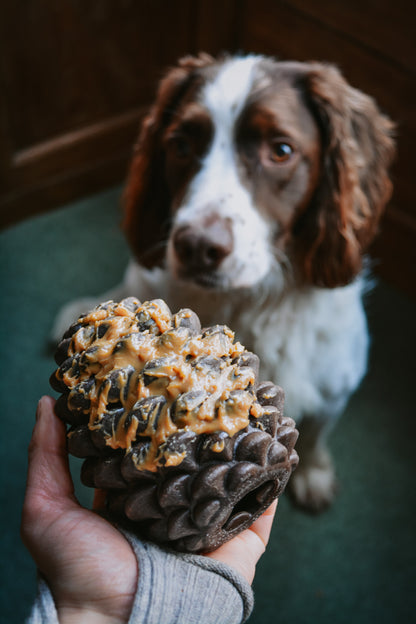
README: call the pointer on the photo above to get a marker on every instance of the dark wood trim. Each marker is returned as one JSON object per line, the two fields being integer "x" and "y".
{"x": 38, "y": 172}
{"x": 57, "y": 192}
{"x": 373, "y": 26}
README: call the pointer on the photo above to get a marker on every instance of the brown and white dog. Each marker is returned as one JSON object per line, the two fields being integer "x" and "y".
{"x": 255, "y": 188}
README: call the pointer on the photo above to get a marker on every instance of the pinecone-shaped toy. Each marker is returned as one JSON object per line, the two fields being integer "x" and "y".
{"x": 172, "y": 422}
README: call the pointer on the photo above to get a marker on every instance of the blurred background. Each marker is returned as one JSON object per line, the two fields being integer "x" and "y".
{"x": 76, "y": 77}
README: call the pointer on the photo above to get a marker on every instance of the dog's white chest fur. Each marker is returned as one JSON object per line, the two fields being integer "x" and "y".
{"x": 314, "y": 345}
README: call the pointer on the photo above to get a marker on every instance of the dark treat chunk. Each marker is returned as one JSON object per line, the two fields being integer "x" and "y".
{"x": 62, "y": 351}
{"x": 131, "y": 303}
{"x": 186, "y": 404}
{"x": 142, "y": 504}
{"x": 135, "y": 457}
{"x": 79, "y": 397}
{"x": 172, "y": 422}
{"x": 148, "y": 316}
{"x": 71, "y": 331}
{"x": 80, "y": 443}
{"x": 251, "y": 360}
{"x": 102, "y": 329}
{"x": 254, "y": 447}
{"x": 269, "y": 421}
{"x": 217, "y": 447}
{"x": 269, "y": 394}
{"x": 72, "y": 416}
{"x": 119, "y": 380}
{"x": 159, "y": 369}
{"x": 188, "y": 319}
{"x": 181, "y": 449}
{"x": 208, "y": 364}
{"x": 147, "y": 412}
{"x": 174, "y": 491}
{"x": 103, "y": 473}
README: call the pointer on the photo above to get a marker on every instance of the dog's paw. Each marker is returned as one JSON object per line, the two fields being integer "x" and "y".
{"x": 313, "y": 485}
{"x": 68, "y": 314}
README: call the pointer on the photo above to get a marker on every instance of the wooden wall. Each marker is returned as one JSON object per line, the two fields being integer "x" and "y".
{"x": 76, "y": 77}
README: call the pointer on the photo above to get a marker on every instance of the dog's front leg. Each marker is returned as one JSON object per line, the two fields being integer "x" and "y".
{"x": 313, "y": 485}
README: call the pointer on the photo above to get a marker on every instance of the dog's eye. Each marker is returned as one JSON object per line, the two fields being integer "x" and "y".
{"x": 180, "y": 146}
{"x": 281, "y": 151}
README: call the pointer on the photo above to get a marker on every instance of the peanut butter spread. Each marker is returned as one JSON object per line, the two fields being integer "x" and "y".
{"x": 158, "y": 376}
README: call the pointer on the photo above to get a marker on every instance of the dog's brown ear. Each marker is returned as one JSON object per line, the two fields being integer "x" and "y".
{"x": 146, "y": 197}
{"x": 357, "y": 151}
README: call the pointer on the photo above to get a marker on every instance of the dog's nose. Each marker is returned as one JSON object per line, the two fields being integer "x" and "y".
{"x": 203, "y": 247}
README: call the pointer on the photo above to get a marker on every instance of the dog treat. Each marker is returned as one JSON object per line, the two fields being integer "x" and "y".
{"x": 172, "y": 422}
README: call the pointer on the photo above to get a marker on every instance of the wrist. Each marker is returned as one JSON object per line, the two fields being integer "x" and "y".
{"x": 75, "y": 615}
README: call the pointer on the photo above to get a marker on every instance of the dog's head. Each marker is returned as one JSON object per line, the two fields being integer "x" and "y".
{"x": 248, "y": 164}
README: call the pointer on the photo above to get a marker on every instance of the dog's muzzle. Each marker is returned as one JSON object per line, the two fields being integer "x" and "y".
{"x": 200, "y": 248}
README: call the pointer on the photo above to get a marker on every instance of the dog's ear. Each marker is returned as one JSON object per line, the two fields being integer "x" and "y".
{"x": 146, "y": 197}
{"x": 358, "y": 149}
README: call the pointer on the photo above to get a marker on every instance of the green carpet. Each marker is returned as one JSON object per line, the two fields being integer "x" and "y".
{"x": 355, "y": 563}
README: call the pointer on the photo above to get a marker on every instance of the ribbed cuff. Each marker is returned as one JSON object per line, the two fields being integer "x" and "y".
{"x": 176, "y": 588}
{"x": 43, "y": 610}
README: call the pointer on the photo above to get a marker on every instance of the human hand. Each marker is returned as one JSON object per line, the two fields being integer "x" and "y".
{"x": 89, "y": 565}
{"x": 244, "y": 550}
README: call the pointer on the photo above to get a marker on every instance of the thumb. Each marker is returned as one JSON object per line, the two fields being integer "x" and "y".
{"x": 49, "y": 482}
{"x": 245, "y": 549}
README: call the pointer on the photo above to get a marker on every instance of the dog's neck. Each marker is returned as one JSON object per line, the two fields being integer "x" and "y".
{"x": 226, "y": 307}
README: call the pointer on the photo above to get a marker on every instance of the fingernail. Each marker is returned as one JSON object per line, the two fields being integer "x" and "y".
{"x": 38, "y": 410}
{"x": 41, "y": 407}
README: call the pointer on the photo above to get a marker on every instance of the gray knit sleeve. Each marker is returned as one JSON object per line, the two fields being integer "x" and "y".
{"x": 187, "y": 589}
{"x": 43, "y": 610}
{"x": 173, "y": 588}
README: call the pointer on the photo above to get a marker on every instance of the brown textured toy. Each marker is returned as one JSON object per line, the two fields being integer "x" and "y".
{"x": 172, "y": 422}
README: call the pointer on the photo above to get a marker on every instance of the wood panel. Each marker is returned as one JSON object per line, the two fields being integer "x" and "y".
{"x": 384, "y": 27}
{"x": 217, "y": 25}
{"x": 75, "y": 77}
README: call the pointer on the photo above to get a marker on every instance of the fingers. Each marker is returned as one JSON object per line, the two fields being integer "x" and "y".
{"x": 243, "y": 551}
{"x": 48, "y": 467}
{"x": 263, "y": 525}
{"x": 49, "y": 483}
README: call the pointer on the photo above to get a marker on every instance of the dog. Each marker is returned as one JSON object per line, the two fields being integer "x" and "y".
{"x": 255, "y": 189}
